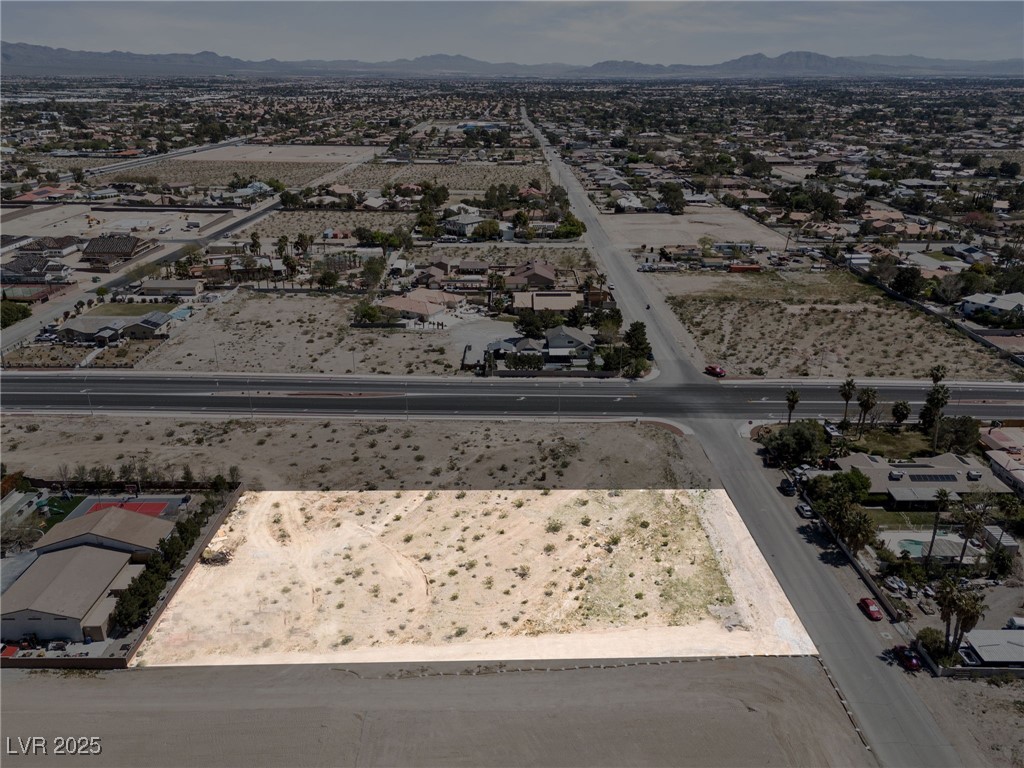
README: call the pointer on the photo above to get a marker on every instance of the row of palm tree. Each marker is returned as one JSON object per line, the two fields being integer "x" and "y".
{"x": 960, "y": 610}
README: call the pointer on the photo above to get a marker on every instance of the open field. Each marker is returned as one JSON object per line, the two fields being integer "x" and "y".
{"x": 313, "y": 455}
{"x": 429, "y": 576}
{"x": 67, "y": 163}
{"x": 218, "y": 173}
{"x": 292, "y": 223}
{"x": 306, "y": 333}
{"x": 127, "y": 355}
{"x": 563, "y": 256}
{"x": 287, "y": 153}
{"x": 657, "y": 229}
{"x": 45, "y": 356}
{"x": 730, "y": 712}
{"x": 464, "y": 176}
{"x": 830, "y": 324}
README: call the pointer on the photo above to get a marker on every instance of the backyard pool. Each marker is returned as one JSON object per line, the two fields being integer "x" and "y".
{"x": 913, "y": 546}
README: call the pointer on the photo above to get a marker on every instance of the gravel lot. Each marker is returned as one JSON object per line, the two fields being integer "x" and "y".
{"x": 719, "y": 222}
{"x": 730, "y": 712}
{"x": 804, "y": 324}
{"x": 218, "y": 173}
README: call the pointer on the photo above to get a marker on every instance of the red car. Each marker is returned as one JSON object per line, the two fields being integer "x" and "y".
{"x": 871, "y": 609}
{"x": 715, "y": 370}
{"x": 906, "y": 658}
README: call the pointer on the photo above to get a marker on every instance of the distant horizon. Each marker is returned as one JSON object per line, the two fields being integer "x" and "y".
{"x": 1019, "y": 57}
{"x": 528, "y": 33}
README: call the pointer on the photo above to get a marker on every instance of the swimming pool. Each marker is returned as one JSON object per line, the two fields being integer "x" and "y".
{"x": 913, "y": 546}
{"x": 181, "y": 313}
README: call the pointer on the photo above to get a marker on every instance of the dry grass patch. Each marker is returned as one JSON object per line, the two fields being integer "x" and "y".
{"x": 45, "y": 356}
{"x": 801, "y": 324}
{"x": 292, "y": 223}
{"x": 299, "y": 333}
{"x": 218, "y": 173}
{"x": 127, "y": 355}
{"x": 464, "y": 176}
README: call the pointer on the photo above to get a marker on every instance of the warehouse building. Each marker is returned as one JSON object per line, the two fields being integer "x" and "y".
{"x": 67, "y": 595}
{"x": 113, "y": 528}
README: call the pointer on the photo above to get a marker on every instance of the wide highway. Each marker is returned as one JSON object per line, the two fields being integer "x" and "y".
{"x": 299, "y": 395}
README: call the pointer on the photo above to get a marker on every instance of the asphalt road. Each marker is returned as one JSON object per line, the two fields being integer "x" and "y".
{"x": 620, "y": 268}
{"x": 299, "y": 395}
{"x": 898, "y": 726}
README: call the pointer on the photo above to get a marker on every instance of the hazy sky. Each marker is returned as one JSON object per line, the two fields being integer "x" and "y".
{"x": 524, "y": 32}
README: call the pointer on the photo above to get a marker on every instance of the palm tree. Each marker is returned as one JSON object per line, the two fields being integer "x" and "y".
{"x": 860, "y": 531}
{"x": 970, "y": 610}
{"x": 941, "y": 505}
{"x": 937, "y": 373}
{"x": 867, "y": 399}
{"x": 846, "y": 391}
{"x": 971, "y": 521}
{"x": 792, "y": 398}
{"x": 947, "y": 597}
{"x": 255, "y": 248}
{"x": 900, "y": 413}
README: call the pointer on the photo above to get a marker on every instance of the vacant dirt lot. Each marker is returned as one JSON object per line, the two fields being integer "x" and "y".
{"x": 46, "y": 162}
{"x": 218, "y": 173}
{"x": 292, "y": 223}
{"x": 479, "y": 574}
{"x": 297, "y": 153}
{"x": 304, "y": 333}
{"x": 803, "y": 324}
{"x": 721, "y": 223}
{"x": 125, "y": 356}
{"x": 464, "y": 176}
{"x": 45, "y": 356}
{"x": 340, "y": 454}
{"x": 566, "y": 257}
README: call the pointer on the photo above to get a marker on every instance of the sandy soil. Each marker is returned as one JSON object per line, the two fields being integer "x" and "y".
{"x": 478, "y": 575}
{"x": 78, "y": 220}
{"x": 218, "y": 173}
{"x": 803, "y": 324}
{"x": 292, "y": 223}
{"x": 464, "y": 176}
{"x": 303, "y": 333}
{"x": 993, "y": 716}
{"x": 394, "y": 455}
{"x": 287, "y": 153}
{"x": 46, "y": 162}
{"x": 721, "y": 223}
{"x": 45, "y": 356}
{"x": 125, "y": 356}
{"x": 564, "y": 256}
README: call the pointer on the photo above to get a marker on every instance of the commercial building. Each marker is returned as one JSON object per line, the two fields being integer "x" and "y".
{"x": 68, "y": 594}
{"x": 113, "y": 528}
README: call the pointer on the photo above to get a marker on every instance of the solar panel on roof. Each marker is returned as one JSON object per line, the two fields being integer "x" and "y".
{"x": 933, "y": 478}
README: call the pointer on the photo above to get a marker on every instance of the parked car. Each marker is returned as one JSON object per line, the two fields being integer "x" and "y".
{"x": 715, "y": 370}
{"x": 787, "y": 487}
{"x": 870, "y": 608}
{"x": 805, "y": 511}
{"x": 906, "y": 658}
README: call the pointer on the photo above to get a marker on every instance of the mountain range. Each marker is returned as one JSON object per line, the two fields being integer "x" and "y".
{"x": 25, "y": 60}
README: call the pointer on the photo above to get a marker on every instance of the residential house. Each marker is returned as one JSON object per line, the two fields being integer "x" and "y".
{"x": 993, "y": 303}
{"x": 413, "y": 309}
{"x": 565, "y": 343}
{"x": 34, "y": 268}
{"x": 556, "y": 301}
{"x": 533, "y": 274}
{"x": 463, "y": 225}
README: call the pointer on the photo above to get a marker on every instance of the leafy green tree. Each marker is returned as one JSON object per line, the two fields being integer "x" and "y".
{"x": 673, "y": 196}
{"x": 569, "y": 228}
{"x": 800, "y": 441}
{"x": 487, "y": 230}
{"x": 12, "y": 312}
{"x": 908, "y": 282}
{"x": 958, "y": 434}
{"x": 636, "y": 341}
{"x": 327, "y": 279}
